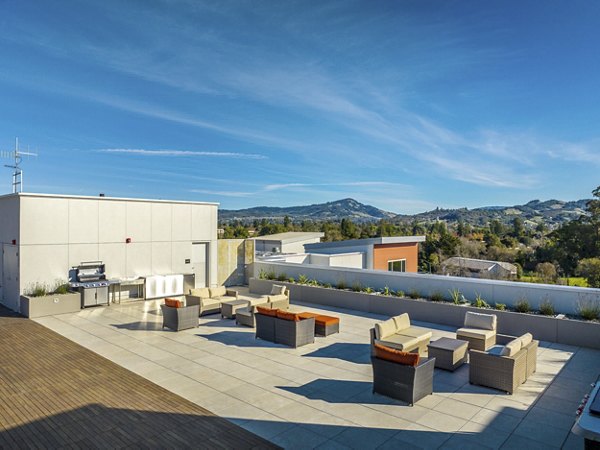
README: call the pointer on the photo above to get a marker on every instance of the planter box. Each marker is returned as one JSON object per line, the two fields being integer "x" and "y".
{"x": 50, "y": 305}
{"x": 550, "y": 329}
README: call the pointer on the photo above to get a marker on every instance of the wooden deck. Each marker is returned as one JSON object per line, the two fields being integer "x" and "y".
{"x": 55, "y": 393}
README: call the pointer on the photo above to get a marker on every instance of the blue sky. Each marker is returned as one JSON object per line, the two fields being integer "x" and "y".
{"x": 405, "y": 105}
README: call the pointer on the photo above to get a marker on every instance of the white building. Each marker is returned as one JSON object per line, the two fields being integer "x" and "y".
{"x": 290, "y": 242}
{"x": 43, "y": 236}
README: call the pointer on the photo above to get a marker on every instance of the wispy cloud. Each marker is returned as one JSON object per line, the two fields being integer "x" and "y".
{"x": 176, "y": 153}
{"x": 278, "y": 187}
{"x": 222, "y": 193}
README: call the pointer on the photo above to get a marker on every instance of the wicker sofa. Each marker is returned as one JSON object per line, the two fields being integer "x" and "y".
{"x": 209, "y": 299}
{"x": 406, "y": 381}
{"x": 246, "y": 316}
{"x": 398, "y": 333}
{"x": 180, "y": 318}
{"x": 283, "y": 327}
{"x": 504, "y": 366}
{"x": 479, "y": 330}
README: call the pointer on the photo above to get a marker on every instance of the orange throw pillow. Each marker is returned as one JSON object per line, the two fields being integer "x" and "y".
{"x": 173, "y": 303}
{"x": 391, "y": 354}
{"x": 266, "y": 311}
{"x": 288, "y": 316}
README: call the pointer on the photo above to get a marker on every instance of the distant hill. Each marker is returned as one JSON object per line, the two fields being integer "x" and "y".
{"x": 347, "y": 208}
{"x": 550, "y": 212}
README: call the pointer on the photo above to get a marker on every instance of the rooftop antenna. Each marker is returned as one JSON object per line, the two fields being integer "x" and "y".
{"x": 17, "y": 178}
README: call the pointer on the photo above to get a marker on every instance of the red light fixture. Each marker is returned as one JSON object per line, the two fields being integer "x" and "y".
{"x": 128, "y": 240}
{"x": 14, "y": 242}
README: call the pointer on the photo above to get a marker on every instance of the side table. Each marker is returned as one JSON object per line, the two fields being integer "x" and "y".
{"x": 229, "y": 308}
{"x": 449, "y": 353}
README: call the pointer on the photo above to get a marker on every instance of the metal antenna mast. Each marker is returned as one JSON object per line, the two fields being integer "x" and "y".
{"x": 17, "y": 182}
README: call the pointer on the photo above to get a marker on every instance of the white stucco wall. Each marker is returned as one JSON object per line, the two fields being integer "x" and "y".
{"x": 365, "y": 249}
{"x": 58, "y": 232}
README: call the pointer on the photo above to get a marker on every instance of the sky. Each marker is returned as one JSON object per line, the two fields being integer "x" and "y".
{"x": 405, "y": 105}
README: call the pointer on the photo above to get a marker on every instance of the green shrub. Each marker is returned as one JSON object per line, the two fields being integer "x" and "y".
{"x": 327, "y": 285}
{"x": 400, "y": 293}
{"x": 356, "y": 286}
{"x": 262, "y": 274}
{"x": 456, "y": 296}
{"x": 282, "y": 277}
{"x": 386, "y": 291}
{"x": 414, "y": 294}
{"x": 270, "y": 275}
{"x": 313, "y": 282}
{"x": 302, "y": 279}
{"x": 61, "y": 288}
{"x": 522, "y": 305}
{"x": 500, "y": 306}
{"x": 37, "y": 290}
{"x": 480, "y": 302}
{"x": 368, "y": 290}
{"x": 546, "y": 308}
{"x": 341, "y": 284}
{"x": 588, "y": 309}
{"x": 291, "y": 280}
{"x": 437, "y": 296}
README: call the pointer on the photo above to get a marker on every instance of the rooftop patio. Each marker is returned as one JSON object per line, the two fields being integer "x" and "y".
{"x": 320, "y": 395}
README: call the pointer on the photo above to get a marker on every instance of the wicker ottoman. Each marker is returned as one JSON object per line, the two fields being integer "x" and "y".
{"x": 229, "y": 308}
{"x": 449, "y": 353}
{"x": 324, "y": 325}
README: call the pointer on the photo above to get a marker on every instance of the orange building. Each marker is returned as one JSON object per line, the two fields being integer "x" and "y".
{"x": 397, "y": 254}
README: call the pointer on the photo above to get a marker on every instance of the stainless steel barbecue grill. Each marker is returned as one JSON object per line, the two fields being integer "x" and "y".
{"x": 90, "y": 279}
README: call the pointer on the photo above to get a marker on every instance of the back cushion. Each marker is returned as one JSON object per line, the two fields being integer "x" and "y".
{"x": 267, "y": 311}
{"x": 512, "y": 348}
{"x": 402, "y": 321}
{"x": 288, "y": 315}
{"x": 218, "y": 291}
{"x": 277, "y": 290}
{"x": 482, "y": 321}
{"x": 526, "y": 339}
{"x": 200, "y": 292}
{"x": 391, "y": 354}
{"x": 385, "y": 329}
{"x": 275, "y": 298}
{"x": 173, "y": 303}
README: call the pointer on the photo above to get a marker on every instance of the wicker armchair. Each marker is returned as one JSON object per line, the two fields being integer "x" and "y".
{"x": 265, "y": 327}
{"x": 180, "y": 318}
{"x": 403, "y": 382}
{"x": 479, "y": 330}
{"x": 245, "y": 316}
{"x": 295, "y": 334}
{"x": 505, "y": 373}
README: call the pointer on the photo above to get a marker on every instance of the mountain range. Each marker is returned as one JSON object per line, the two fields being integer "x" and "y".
{"x": 550, "y": 212}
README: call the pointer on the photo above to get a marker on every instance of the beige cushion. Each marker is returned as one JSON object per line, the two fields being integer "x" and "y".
{"x": 277, "y": 290}
{"x": 275, "y": 298}
{"x": 511, "y": 348}
{"x": 402, "y": 321}
{"x": 478, "y": 320}
{"x": 258, "y": 300}
{"x": 218, "y": 291}
{"x": 385, "y": 329}
{"x": 207, "y": 301}
{"x": 476, "y": 333}
{"x": 200, "y": 292}
{"x": 417, "y": 332}
{"x": 526, "y": 339}
{"x": 399, "y": 341}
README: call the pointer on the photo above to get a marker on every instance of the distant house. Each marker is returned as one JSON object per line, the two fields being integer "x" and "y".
{"x": 395, "y": 254}
{"x": 478, "y": 268}
{"x": 290, "y": 242}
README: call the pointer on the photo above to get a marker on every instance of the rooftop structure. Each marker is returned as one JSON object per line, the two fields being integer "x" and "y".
{"x": 478, "y": 268}
{"x": 289, "y": 242}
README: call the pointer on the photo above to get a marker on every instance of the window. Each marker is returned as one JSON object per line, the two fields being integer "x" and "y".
{"x": 397, "y": 265}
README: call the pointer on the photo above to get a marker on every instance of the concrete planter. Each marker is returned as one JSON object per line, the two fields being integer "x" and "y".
{"x": 50, "y": 305}
{"x": 551, "y": 329}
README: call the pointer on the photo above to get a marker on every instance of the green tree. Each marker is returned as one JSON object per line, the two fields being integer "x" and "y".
{"x": 589, "y": 268}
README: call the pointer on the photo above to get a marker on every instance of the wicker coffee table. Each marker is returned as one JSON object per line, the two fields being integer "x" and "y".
{"x": 229, "y": 308}
{"x": 449, "y": 353}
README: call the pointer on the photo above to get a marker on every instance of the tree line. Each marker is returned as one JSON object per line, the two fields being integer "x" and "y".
{"x": 571, "y": 250}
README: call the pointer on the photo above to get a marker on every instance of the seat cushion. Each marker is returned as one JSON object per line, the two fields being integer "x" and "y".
{"x": 210, "y": 302}
{"x": 511, "y": 348}
{"x": 173, "y": 303}
{"x": 385, "y": 329}
{"x": 476, "y": 333}
{"x": 402, "y": 321}
{"x": 258, "y": 300}
{"x": 400, "y": 357}
{"x": 266, "y": 311}
{"x": 285, "y": 315}
{"x": 200, "y": 292}
{"x": 417, "y": 332}
{"x": 277, "y": 290}
{"x": 220, "y": 291}
{"x": 224, "y": 298}
{"x": 478, "y": 320}
{"x": 399, "y": 341}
